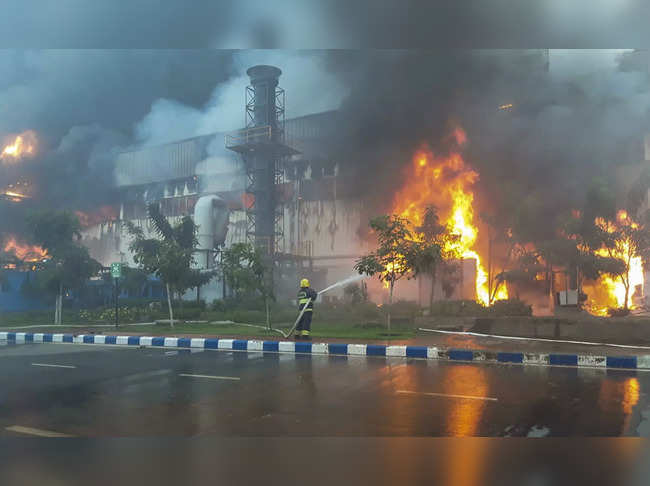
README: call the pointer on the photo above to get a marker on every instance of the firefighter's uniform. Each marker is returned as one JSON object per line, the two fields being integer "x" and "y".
{"x": 306, "y": 297}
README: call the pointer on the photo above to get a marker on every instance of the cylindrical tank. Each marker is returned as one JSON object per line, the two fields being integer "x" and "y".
{"x": 211, "y": 216}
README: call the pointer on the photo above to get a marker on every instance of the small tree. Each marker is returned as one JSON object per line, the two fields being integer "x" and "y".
{"x": 245, "y": 274}
{"x": 431, "y": 252}
{"x": 69, "y": 264}
{"x": 133, "y": 280}
{"x": 627, "y": 238}
{"x": 395, "y": 256}
{"x": 171, "y": 256}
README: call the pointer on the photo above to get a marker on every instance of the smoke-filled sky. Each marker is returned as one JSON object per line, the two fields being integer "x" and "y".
{"x": 588, "y": 111}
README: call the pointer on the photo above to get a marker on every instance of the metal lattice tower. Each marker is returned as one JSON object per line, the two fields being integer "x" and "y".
{"x": 263, "y": 147}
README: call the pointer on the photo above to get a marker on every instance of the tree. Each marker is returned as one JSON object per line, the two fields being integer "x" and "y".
{"x": 627, "y": 237}
{"x": 69, "y": 264}
{"x": 246, "y": 275}
{"x": 355, "y": 293}
{"x": 133, "y": 280}
{"x": 395, "y": 256}
{"x": 431, "y": 253}
{"x": 171, "y": 256}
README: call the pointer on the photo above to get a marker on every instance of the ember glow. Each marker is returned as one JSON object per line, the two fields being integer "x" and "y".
{"x": 446, "y": 182}
{"x": 17, "y": 192}
{"x": 24, "y": 252}
{"x": 19, "y": 146}
{"x": 98, "y": 216}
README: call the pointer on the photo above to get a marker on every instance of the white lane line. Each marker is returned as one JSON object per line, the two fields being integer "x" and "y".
{"x": 53, "y": 365}
{"x": 210, "y": 376}
{"x": 445, "y": 395}
{"x": 31, "y": 431}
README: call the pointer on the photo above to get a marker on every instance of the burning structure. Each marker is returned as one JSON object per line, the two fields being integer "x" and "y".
{"x": 279, "y": 185}
{"x": 303, "y": 189}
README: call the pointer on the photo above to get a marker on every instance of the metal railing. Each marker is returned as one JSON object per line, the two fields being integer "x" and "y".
{"x": 249, "y": 136}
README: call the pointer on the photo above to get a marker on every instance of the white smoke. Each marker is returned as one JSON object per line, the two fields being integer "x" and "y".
{"x": 309, "y": 88}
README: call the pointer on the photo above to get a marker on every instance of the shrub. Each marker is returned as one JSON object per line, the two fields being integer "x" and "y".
{"x": 510, "y": 307}
{"x": 457, "y": 308}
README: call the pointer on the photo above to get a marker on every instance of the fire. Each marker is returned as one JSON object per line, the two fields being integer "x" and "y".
{"x": 22, "y": 145}
{"x": 15, "y": 192}
{"x": 24, "y": 252}
{"x": 100, "y": 215}
{"x": 446, "y": 183}
{"x": 610, "y": 291}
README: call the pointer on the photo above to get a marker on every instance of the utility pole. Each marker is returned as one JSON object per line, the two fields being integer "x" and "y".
{"x": 116, "y": 273}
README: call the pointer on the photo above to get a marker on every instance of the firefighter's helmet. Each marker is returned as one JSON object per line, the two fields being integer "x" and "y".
{"x": 304, "y": 282}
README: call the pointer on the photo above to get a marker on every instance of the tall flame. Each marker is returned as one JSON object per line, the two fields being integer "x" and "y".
{"x": 22, "y": 145}
{"x": 446, "y": 182}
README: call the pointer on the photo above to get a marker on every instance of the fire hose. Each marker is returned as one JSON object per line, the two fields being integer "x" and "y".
{"x": 297, "y": 320}
{"x": 333, "y": 286}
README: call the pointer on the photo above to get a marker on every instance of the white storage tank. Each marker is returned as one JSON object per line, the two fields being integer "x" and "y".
{"x": 211, "y": 217}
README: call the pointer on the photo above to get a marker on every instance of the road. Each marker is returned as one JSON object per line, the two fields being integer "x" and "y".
{"x": 160, "y": 416}
{"x": 95, "y": 391}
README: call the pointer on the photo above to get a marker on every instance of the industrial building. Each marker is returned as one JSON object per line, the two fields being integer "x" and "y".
{"x": 275, "y": 183}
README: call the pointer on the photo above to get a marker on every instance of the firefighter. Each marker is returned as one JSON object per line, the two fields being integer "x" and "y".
{"x": 306, "y": 297}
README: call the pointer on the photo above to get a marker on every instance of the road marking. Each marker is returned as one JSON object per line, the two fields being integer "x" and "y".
{"x": 210, "y": 376}
{"x": 31, "y": 431}
{"x": 445, "y": 395}
{"x": 53, "y": 365}
{"x": 171, "y": 353}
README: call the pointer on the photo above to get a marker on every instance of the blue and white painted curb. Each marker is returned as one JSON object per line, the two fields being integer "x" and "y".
{"x": 338, "y": 349}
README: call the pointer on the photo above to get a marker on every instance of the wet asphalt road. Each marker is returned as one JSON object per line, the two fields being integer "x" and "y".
{"x": 93, "y": 391}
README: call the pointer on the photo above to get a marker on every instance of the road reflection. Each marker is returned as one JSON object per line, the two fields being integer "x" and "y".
{"x": 619, "y": 395}
{"x": 465, "y": 414}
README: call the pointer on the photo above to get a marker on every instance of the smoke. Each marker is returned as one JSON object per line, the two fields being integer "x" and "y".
{"x": 578, "y": 119}
{"x": 309, "y": 85}
{"x": 82, "y": 105}
{"x": 568, "y": 124}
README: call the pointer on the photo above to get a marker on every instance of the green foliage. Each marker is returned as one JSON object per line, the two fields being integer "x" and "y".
{"x": 457, "y": 308}
{"x": 393, "y": 258}
{"x": 133, "y": 280}
{"x": 244, "y": 271}
{"x": 54, "y": 230}
{"x": 397, "y": 254}
{"x": 171, "y": 257}
{"x": 355, "y": 293}
{"x": 69, "y": 265}
{"x": 470, "y": 308}
{"x": 510, "y": 307}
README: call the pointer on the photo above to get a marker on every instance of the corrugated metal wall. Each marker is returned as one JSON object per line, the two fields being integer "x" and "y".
{"x": 162, "y": 163}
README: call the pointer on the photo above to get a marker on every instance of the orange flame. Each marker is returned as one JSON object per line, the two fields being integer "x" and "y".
{"x": 15, "y": 192}
{"x": 24, "y": 252}
{"x": 22, "y": 145}
{"x": 101, "y": 215}
{"x": 446, "y": 183}
{"x": 610, "y": 291}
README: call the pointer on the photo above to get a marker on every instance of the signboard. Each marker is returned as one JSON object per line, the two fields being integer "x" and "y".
{"x": 116, "y": 270}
